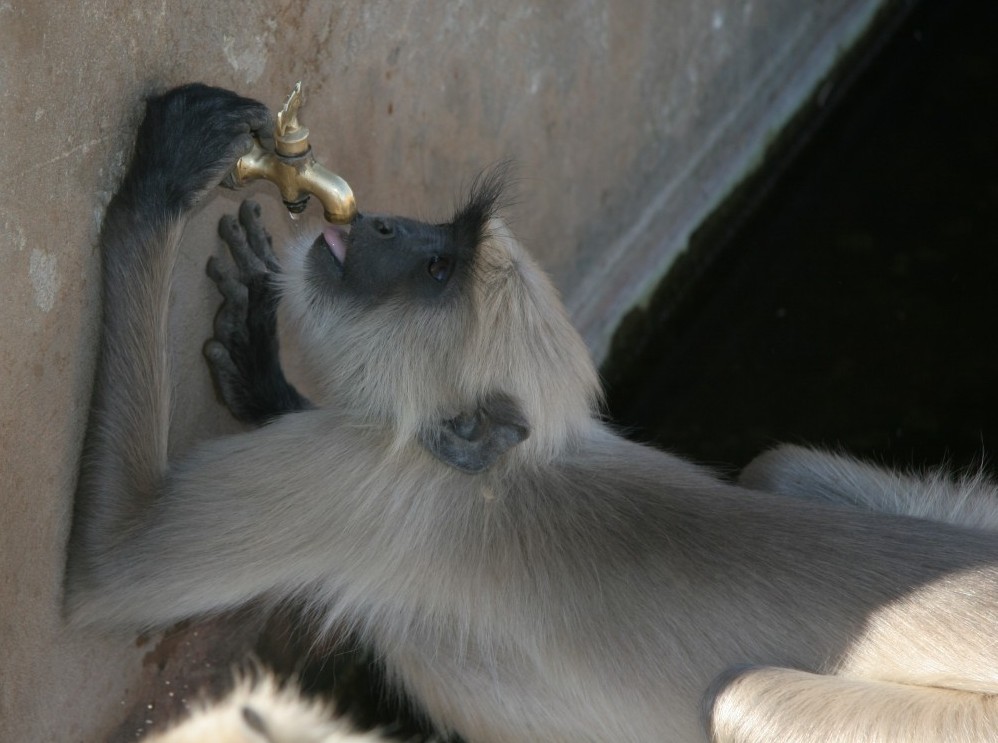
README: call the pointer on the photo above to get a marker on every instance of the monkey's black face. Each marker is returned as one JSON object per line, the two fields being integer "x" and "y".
{"x": 381, "y": 257}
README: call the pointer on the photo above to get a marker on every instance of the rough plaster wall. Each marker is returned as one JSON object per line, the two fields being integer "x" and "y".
{"x": 629, "y": 121}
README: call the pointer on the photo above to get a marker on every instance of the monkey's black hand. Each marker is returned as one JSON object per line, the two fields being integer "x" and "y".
{"x": 244, "y": 355}
{"x": 189, "y": 140}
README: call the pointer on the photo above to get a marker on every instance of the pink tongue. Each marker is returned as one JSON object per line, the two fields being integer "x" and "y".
{"x": 334, "y": 239}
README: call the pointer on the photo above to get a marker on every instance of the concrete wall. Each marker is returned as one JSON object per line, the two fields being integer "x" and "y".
{"x": 629, "y": 119}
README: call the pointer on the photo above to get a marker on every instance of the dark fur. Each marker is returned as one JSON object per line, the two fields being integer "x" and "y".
{"x": 244, "y": 355}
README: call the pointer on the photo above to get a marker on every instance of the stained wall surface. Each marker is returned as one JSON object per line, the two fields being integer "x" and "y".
{"x": 628, "y": 122}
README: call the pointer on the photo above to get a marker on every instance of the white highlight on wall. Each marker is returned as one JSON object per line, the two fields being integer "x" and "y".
{"x": 249, "y": 56}
{"x": 44, "y": 278}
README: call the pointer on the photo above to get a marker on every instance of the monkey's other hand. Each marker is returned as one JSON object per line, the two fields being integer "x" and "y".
{"x": 244, "y": 355}
{"x": 189, "y": 141}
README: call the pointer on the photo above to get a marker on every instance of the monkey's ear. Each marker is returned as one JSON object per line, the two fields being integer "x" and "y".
{"x": 473, "y": 441}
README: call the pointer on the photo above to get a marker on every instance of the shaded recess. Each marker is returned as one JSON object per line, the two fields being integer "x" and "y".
{"x": 849, "y": 300}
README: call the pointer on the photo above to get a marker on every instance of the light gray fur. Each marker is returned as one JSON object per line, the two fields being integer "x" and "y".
{"x": 966, "y": 500}
{"x": 584, "y": 588}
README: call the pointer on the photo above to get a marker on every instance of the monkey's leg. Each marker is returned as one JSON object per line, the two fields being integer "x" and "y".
{"x": 761, "y": 705}
{"x": 244, "y": 355}
{"x": 833, "y": 478}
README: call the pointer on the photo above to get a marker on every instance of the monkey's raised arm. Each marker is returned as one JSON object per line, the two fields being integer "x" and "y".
{"x": 188, "y": 141}
{"x": 154, "y": 541}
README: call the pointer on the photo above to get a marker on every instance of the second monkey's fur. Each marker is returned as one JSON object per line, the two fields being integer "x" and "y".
{"x": 452, "y": 493}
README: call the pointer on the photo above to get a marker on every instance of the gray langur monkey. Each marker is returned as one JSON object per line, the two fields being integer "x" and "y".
{"x": 452, "y": 494}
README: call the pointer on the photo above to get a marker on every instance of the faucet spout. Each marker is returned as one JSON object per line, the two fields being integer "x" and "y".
{"x": 294, "y": 170}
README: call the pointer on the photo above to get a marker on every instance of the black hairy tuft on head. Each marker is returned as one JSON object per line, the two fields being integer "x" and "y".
{"x": 486, "y": 197}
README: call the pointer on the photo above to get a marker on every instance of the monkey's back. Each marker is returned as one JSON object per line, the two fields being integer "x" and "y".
{"x": 602, "y": 594}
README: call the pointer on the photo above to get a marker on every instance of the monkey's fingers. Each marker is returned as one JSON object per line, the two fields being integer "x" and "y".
{"x": 230, "y": 325}
{"x": 232, "y": 289}
{"x": 250, "y": 217}
{"x": 229, "y": 382}
{"x": 233, "y": 234}
{"x": 230, "y": 320}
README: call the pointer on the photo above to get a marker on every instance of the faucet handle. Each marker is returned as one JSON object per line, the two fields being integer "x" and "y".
{"x": 290, "y": 136}
{"x": 287, "y": 117}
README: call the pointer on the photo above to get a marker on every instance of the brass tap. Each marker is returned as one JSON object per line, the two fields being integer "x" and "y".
{"x": 293, "y": 169}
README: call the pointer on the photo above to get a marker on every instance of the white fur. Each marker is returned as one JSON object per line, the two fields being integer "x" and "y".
{"x": 259, "y": 710}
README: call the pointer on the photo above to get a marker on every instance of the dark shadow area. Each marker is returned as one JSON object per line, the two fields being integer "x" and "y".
{"x": 854, "y": 304}
{"x": 343, "y": 671}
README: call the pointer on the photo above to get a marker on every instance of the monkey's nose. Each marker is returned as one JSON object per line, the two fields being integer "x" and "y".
{"x": 384, "y": 227}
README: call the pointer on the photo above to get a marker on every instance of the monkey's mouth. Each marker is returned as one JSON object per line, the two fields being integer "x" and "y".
{"x": 334, "y": 240}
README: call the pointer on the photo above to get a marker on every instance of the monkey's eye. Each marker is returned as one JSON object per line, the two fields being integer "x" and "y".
{"x": 439, "y": 268}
